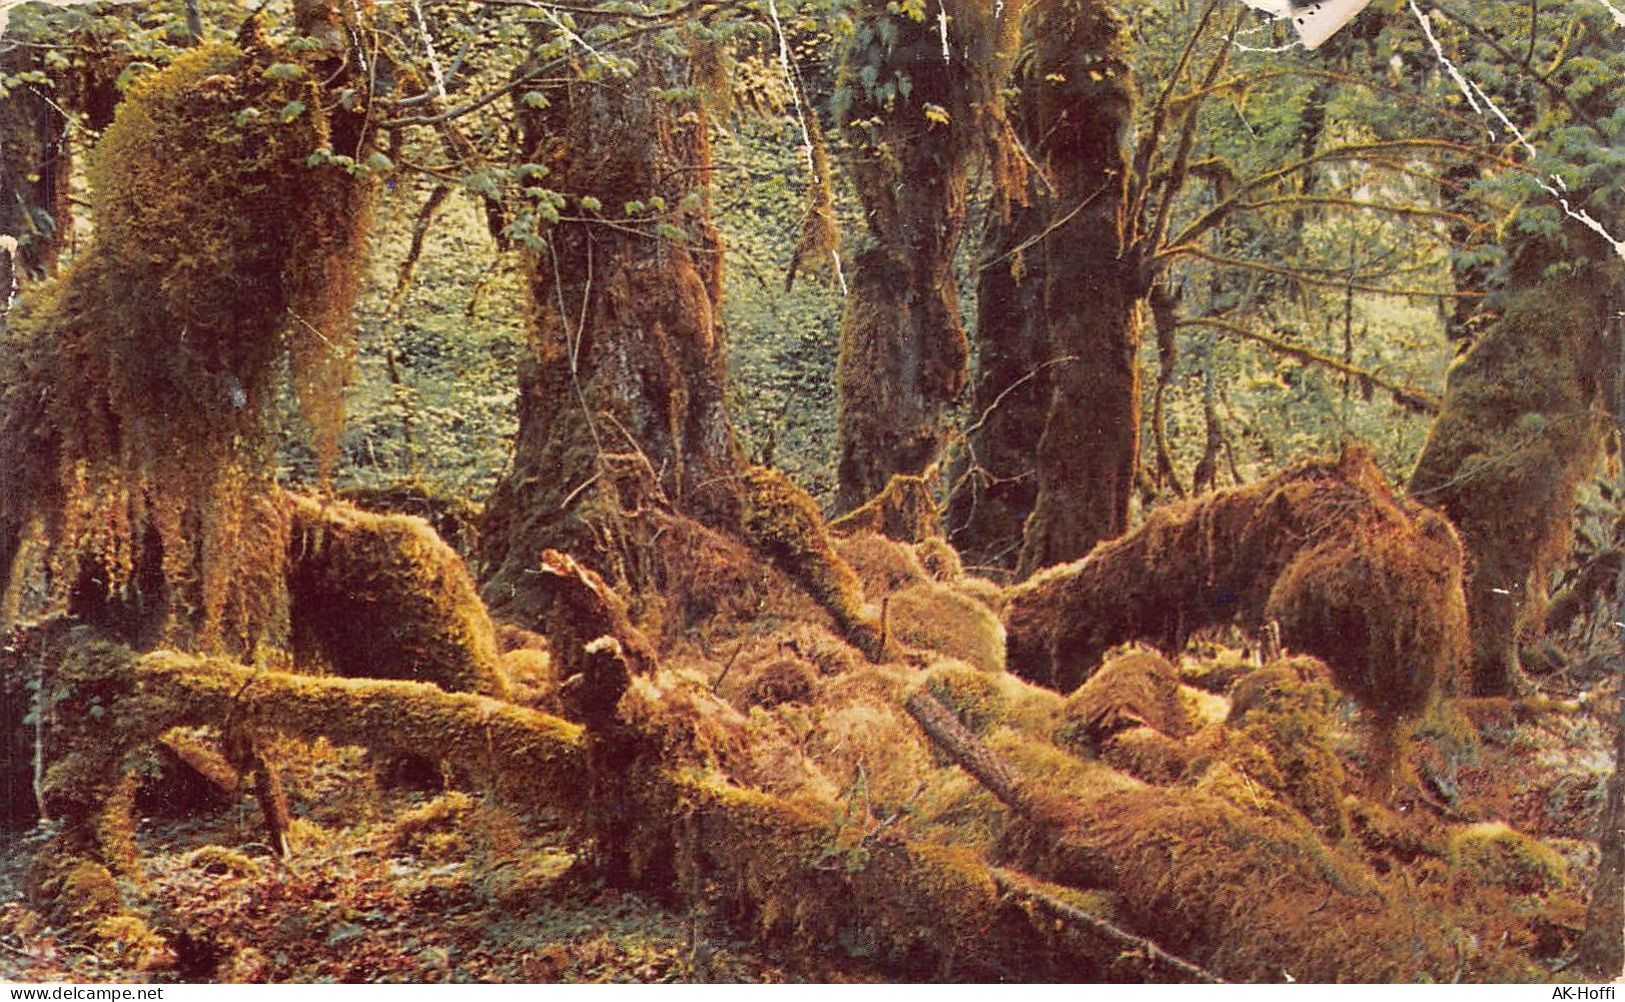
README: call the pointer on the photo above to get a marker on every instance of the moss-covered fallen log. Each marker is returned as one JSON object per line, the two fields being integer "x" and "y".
{"x": 1247, "y": 897}
{"x": 1362, "y": 579}
{"x": 110, "y": 702}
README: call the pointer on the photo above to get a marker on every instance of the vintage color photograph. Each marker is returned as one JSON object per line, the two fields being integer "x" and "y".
{"x": 812, "y": 491}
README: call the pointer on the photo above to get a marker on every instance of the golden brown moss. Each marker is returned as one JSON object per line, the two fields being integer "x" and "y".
{"x": 1367, "y": 582}
{"x": 882, "y": 565}
{"x": 139, "y": 389}
{"x": 1137, "y": 689}
{"x": 381, "y": 596}
{"x": 783, "y": 522}
{"x": 1504, "y": 857}
{"x": 906, "y": 511}
{"x": 943, "y": 620}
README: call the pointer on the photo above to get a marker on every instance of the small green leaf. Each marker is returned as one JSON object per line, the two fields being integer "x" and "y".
{"x": 534, "y": 99}
{"x": 667, "y": 231}
{"x": 292, "y": 110}
{"x": 633, "y": 207}
{"x": 380, "y": 162}
{"x": 283, "y": 71}
{"x": 590, "y": 204}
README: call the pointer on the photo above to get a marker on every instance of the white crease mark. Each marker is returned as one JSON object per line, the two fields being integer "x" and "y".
{"x": 428, "y": 47}
{"x": 8, "y": 246}
{"x": 801, "y": 120}
{"x": 1619, "y": 15}
{"x": 1550, "y": 183}
{"x": 942, "y": 28}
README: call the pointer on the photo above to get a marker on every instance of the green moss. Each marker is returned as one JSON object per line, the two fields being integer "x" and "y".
{"x": 1501, "y": 856}
{"x": 383, "y": 596}
{"x": 973, "y": 695}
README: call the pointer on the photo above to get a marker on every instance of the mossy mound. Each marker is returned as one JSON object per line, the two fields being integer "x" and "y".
{"x": 938, "y": 618}
{"x": 1137, "y": 689}
{"x": 381, "y": 596}
{"x": 882, "y": 565}
{"x": 1496, "y": 854}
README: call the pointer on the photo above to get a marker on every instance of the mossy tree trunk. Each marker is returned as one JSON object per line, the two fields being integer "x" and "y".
{"x": 994, "y": 483}
{"x": 621, "y": 395}
{"x": 903, "y": 350}
{"x": 1519, "y": 430}
{"x": 1093, "y": 291}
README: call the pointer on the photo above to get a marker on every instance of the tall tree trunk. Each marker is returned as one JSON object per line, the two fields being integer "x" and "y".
{"x": 1602, "y": 947}
{"x": 621, "y": 395}
{"x": 1518, "y": 432}
{"x": 994, "y": 482}
{"x": 903, "y": 350}
{"x": 1092, "y": 292}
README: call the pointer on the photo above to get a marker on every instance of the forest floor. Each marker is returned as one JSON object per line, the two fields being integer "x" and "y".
{"x": 392, "y": 885}
{"x": 385, "y": 887}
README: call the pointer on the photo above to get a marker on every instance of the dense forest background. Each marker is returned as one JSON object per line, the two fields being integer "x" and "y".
{"x": 787, "y": 384}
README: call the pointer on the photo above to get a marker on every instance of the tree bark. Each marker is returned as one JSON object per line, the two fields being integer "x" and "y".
{"x": 621, "y": 396}
{"x": 1089, "y": 449}
{"x": 903, "y": 350}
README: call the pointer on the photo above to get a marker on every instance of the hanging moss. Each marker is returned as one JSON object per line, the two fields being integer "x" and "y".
{"x": 138, "y": 390}
{"x": 381, "y": 596}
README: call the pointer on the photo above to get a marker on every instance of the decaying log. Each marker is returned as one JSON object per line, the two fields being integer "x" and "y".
{"x": 1366, "y": 581}
{"x": 1249, "y": 898}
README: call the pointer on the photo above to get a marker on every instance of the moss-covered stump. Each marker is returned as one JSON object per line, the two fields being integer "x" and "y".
{"x": 455, "y": 519}
{"x": 783, "y": 522}
{"x": 905, "y": 511}
{"x": 1356, "y": 576}
{"x": 382, "y": 596}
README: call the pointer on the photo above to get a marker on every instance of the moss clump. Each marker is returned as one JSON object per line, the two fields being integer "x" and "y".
{"x": 1499, "y": 855}
{"x": 781, "y": 680}
{"x": 882, "y": 565}
{"x": 221, "y": 861}
{"x": 1138, "y": 689}
{"x": 974, "y": 696}
{"x": 939, "y": 559}
{"x": 454, "y": 519}
{"x": 906, "y": 511}
{"x": 381, "y": 596}
{"x": 783, "y": 522}
{"x": 942, "y": 619}
{"x": 77, "y": 893}
{"x": 435, "y": 830}
{"x": 1280, "y": 734}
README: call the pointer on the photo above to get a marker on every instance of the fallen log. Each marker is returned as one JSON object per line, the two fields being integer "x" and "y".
{"x": 1367, "y": 582}
{"x": 1240, "y": 896}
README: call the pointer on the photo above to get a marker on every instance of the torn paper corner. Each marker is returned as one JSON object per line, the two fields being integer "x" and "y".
{"x": 1314, "y": 21}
